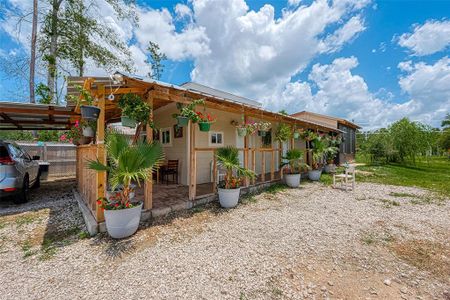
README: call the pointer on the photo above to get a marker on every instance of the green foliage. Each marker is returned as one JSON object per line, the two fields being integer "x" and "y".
{"x": 16, "y": 135}
{"x": 401, "y": 142}
{"x": 294, "y": 158}
{"x": 188, "y": 111}
{"x": 284, "y": 132}
{"x": 48, "y": 135}
{"x": 128, "y": 162}
{"x": 228, "y": 158}
{"x": 44, "y": 94}
{"x": 283, "y": 112}
{"x": 444, "y": 139}
{"x": 446, "y": 122}
{"x": 155, "y": 60}
{"x": 133, "y": 107}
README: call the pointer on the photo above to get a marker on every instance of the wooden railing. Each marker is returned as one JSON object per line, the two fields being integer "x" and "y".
{"x": 87, "y": 178}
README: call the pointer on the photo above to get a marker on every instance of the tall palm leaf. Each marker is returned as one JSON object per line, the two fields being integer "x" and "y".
{"x": 228, "y": 158}
{"x": 294, "y": 159}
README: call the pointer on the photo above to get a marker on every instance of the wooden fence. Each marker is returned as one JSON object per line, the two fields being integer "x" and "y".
{"x": 62, "y": 157}
{"x": 87, "y": 178}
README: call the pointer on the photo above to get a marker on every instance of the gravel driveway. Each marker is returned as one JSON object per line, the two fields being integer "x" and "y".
{"x": 380, "y": 242}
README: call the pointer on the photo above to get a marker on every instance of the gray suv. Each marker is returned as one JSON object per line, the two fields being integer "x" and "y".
{"x": 18, "y": 172}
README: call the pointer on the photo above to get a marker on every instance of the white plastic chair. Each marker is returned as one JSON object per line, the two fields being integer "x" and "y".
{"x": 348, "y": 177}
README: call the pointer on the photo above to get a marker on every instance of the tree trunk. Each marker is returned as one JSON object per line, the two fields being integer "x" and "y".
{"x": 51, "y": 75}
{"x": 33, "y": 50}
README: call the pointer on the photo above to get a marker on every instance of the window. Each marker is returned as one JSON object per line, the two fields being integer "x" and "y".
{"x": 166, "y": 137}
{"x": 215, "y": 138}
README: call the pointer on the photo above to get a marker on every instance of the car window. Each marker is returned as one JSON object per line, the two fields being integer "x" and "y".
{"x": 14, "y": 151}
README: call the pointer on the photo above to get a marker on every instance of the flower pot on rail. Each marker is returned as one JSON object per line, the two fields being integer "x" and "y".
{"x": 292, "y": 180}
{"x": 128, "y": 122}
{"x": 204, "y": 126}
{"x": 122, "y": 223}
{"x": 89, "y": 112}
{"x": 182, "y": 121}
{"x": 296, "y": 135}
{"x": 88, "y": 131}
{"x": 229, "y": 198}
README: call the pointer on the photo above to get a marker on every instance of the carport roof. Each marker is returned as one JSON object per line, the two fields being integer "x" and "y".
{"x": 31, "y": 116}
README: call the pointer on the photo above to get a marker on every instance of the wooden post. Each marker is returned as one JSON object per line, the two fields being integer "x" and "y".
{"x": 272, "y": 165}
{"x": 254, "y": 164}
{"x": 101, "y": 152}
{"x": 246, "y": 182}
{"x": 192, "y": 164}
{"x": 214, "y": 172}
{"x": 148, "y": 185}
{"x": 263, "y": 166}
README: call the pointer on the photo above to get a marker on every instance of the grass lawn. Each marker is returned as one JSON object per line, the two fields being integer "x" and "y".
{"x": 433, "y": 175}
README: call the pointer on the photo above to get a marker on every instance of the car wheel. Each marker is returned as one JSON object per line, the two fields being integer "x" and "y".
{"x": 23, "y": 195}
{"x": 37, "y": 183}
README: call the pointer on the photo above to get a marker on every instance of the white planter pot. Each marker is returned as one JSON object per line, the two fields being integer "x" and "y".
{"x": 314, "y": 175}
{"x": 229, "y": 198}
{"x": 88, "y": 132}
{"x": 292, "y": 180}
{"x": 123, "y": 222}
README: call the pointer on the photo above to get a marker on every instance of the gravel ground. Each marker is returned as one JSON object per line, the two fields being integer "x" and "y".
{"x": 379, "y": 242}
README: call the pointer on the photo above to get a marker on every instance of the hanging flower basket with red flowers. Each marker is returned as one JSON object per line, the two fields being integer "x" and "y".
{"x": 205, "y": 120}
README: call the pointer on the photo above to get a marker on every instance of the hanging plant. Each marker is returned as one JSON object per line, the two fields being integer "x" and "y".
{"x": 296, "y": 134}
{"x": 86, "y": 103}
{"x": 205, "y": 120}
{"x": 187, "y": 112}
{"x": 245, "y": 127}
{"x": 263, "y": 127}
{"x": 134, "y": 110}
{"x": 283, "y": 132}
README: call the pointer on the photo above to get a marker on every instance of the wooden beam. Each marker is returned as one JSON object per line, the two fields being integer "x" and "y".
{"x": 36, "y": 122}
{"x": 272, "y": 166}
{"x": 263, "y": 166}
{"x": 254, "y": 164}
{"x": 101, "y": 153}
{"x": 8, "y": 120}
{"x": 246, "y": 181}
{"x": 192, "y": 163}
{"x": 214, "y": 172}
{"x": 35, "y": 111}
{"x": 148, "y": 185}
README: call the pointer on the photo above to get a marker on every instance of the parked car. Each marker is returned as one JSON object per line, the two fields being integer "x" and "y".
{"x": 18, "y": 172}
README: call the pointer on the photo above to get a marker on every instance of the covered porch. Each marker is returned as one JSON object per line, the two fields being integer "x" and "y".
{"x": 198, "y": 169}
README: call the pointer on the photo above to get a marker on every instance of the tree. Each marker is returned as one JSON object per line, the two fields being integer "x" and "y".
{"x": 155, "y": 60}
{"x": 446, "y": 122}
{"x": 33, "y": 49}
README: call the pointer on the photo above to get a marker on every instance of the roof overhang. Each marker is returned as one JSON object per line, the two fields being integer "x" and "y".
{"x": 31, "y": 116}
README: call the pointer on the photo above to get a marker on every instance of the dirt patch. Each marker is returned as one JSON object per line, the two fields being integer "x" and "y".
{"x": 425, "y": 255}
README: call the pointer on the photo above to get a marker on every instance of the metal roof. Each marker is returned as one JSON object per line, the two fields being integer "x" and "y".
{"x": 31, "y": 116}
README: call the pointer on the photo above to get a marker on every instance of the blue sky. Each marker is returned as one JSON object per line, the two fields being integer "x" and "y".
{"x": 369, "y": 61}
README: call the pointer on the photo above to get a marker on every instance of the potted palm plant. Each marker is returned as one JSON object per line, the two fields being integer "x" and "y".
{"x": 293, "y": 159}
{"x": 317, "y": 153}
{"x": 229, "y": 190}
{"x": 330, "y": 153}
{"x": 127, "y": 163}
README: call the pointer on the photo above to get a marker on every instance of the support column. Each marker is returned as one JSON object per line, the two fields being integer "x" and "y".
{"x": 263, "y": 166}
{"x": 272, "y": 164}
{"x": 214, "y": 172}
{"x": 101, "y": 152}
{"x": 192, "y": 163}
{"x": 148, "y": 185}
{"x": 246, "y": 181}
{"x": 254, "y": 164}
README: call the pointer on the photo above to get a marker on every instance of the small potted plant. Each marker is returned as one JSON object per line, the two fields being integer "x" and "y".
{"x": 296, "y": 134}
{"x": 293, "y": 160}
{"x": 86, "y": 103}
{"x": 75, "y": 135}
{"x": 205, "y": 120}
{"x": 263, "y": 128}
{"x": 330, "y": 153}
{"x": 229, "y": 190}
{"x": 134, "y": 110}
{"x": 88, "y": 128}
{"x": 187, "y": 112}
{"x": 127, "y": 162}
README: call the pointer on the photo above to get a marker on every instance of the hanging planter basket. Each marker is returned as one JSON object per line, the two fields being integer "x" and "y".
{"x": 182, "y": 121}
{"x": 89, "y": 112}
{"x": 296, "y": 135}
{"x": 262, "y": 133}
{"x": 128, "y": 122}
{"x": 204, "y": 126}
{"x": 242, "y": 131}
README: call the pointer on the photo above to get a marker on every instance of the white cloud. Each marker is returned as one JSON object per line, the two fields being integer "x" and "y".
{"x": 294, "y": 2}
{"x": 429, "y": 38}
